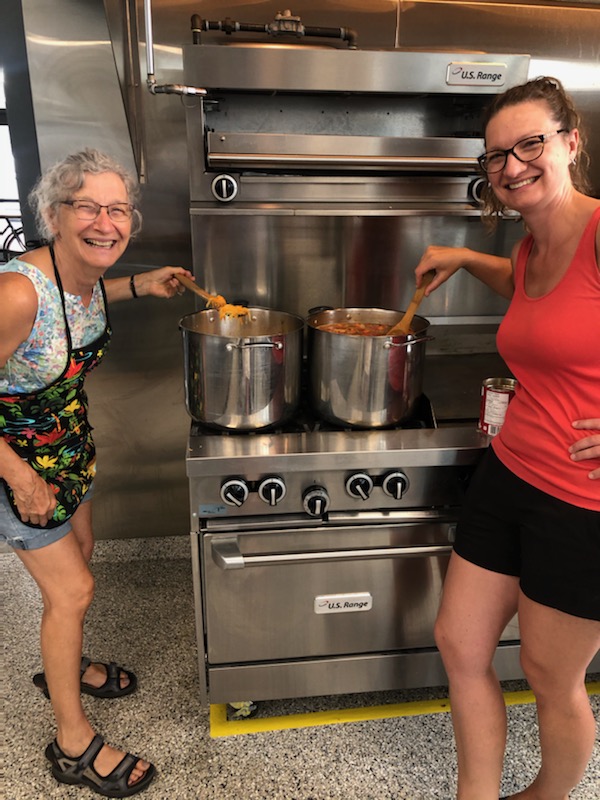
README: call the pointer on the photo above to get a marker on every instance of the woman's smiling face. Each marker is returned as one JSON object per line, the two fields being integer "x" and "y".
{"x": 97, "y": 243}
{"x": 519, "y": 185}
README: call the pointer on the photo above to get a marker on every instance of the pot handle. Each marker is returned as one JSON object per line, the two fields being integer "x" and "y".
{"x": 318, "y": 309}
{"x": 389, "y": 344}
{"x": 246, "y": 345}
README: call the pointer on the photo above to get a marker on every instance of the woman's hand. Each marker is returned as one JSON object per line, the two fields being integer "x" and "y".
{"x": 161, "y": 282}
{"x": 494, "y": 271}
{"x": 589, "y": 446}
{"x": 34, "y": 499}
{"x": 445, "y": 261}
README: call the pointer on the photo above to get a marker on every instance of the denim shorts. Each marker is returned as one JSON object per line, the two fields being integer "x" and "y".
{"x": 22, "y": 537}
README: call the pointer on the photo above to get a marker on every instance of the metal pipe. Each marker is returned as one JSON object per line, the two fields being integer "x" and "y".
{"x": 165, "y": 88}
{"x": 196, "y": 23}
{"x": 149, "y": 38}
{"x": 284, "y": 24}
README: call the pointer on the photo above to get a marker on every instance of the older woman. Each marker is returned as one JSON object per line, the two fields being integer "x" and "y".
{"x": 529, "y": 536}
{"x": 54, "y": 329}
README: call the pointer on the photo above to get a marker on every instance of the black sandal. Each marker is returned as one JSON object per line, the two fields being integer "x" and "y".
{"x": 111, "y": 687}
{"x": 80, "y": 771}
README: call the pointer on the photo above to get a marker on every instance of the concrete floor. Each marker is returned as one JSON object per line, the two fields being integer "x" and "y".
{"x": 143, "y": 617}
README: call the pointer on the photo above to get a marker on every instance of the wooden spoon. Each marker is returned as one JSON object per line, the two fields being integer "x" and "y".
{"x": 402, "y": 328}
{"x": 214, "y": 300}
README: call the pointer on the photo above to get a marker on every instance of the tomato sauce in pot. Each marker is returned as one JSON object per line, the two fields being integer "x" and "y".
{"x": 355, "y": 328}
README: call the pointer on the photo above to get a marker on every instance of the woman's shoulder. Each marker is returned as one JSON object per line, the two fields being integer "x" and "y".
{"x": 25, "y": 282}
{"x": 31, "y": 265}
{"x": 18, "y": 300}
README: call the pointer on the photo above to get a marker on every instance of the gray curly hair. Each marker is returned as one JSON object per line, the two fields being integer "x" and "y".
{"x": 59, "y": 181}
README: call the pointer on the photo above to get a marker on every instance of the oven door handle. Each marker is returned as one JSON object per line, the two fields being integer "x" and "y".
{"x": 227, "y": 555}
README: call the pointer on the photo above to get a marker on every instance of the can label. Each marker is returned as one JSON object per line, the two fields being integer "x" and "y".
{"x": 496, "y": 394}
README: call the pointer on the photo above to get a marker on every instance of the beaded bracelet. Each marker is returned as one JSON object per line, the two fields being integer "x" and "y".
{"x": 132, "y": 287}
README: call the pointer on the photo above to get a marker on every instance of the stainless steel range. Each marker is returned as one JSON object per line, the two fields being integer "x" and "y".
{"x": 317, "y": 176}
{"x": 319, "y": 556}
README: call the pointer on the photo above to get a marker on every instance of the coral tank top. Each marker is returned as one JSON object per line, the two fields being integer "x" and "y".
{"x": 552, "y": 346}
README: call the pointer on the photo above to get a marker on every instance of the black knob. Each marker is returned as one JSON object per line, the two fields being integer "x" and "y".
{"x": 395, "y": 484}
{"x": 272, "y": 490}
{"x": 224, "y": 188}
{"x": 359, "y": 485}
{"x": 315, "y": 501}
{"x": 234, "y": 492}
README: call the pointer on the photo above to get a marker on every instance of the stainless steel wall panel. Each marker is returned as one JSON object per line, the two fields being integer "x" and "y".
{"x": 295, "y": 262}
{"x": 375, "y": 20}
{"x": 137, "y": 408}
{"x": 76, "y": 93}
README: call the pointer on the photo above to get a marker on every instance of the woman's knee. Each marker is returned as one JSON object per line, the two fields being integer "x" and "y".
{"x": 545, "y": 677}
{"x": 74, "y": 596}
{"x": 455, "y": 655}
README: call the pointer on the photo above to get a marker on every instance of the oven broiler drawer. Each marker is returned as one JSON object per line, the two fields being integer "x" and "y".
{"x": 314, "y": 593}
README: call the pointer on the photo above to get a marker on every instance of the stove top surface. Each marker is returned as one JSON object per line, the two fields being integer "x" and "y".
{"x": 421, "y": 440}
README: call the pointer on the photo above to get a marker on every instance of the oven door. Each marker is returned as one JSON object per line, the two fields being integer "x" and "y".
{"x": 286, "y": 594}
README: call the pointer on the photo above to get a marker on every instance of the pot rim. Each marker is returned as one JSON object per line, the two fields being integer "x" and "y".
{"x": 327, "y": 313}
{"x": 186, "y": 328}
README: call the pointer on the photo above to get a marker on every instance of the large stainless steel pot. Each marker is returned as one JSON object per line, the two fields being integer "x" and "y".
{"x": 242, "y": 374}
{"x": 365, "y": 381}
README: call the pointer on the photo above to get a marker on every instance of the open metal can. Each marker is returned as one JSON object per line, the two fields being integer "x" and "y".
{"x": 496, "y": 394}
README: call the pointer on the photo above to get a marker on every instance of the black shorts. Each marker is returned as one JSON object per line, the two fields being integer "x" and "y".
{"x": 508, "y": 526}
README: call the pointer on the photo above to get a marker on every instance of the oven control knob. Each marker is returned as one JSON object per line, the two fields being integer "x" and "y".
{"x": 272, "y": 490}
{"x": 315, "y": 501}
{"x": 234, "y": 492}
{"x": 395, "y": 484}
{"x": 359, "y": 485}
{"x": 224, "y": 188}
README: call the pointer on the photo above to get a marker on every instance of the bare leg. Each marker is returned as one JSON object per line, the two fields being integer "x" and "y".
{"x": 476, "y": 606}
{"x": 67, "y": 585}
{"x": 556, "y": 650}
{"x": 81, "y": 522}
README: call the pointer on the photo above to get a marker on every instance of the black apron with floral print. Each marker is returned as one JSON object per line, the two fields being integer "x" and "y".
{"x": 49, "y": 427}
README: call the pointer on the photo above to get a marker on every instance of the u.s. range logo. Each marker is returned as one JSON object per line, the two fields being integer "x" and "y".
{"x": 475, "y": 73}
{"x": 343, "y": 603}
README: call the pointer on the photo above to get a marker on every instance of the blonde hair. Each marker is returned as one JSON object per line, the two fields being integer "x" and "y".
{"x": 58, "y": 183}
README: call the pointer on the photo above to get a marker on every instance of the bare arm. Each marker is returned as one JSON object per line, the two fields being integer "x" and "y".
{"x": 495, "y": 271}
{"x": 157, "y": 282}
{"x": 18, "y": 307}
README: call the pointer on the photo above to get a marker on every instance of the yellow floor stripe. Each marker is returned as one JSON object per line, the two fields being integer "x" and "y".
{"x": 221, "y": 726}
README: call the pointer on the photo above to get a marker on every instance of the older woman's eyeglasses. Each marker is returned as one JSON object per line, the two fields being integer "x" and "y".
{"x": 524, "y": 150}
{"x": 89, "y": 210}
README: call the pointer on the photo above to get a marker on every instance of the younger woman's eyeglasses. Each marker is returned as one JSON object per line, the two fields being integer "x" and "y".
{"x": 524, "y": 150}
{"x": 89, "y": 210}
